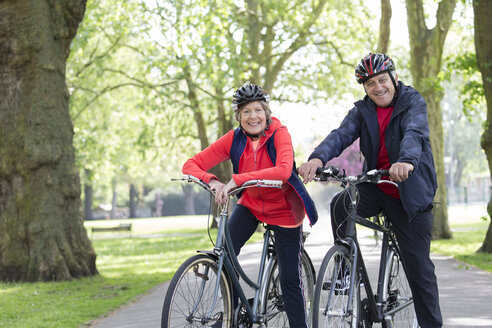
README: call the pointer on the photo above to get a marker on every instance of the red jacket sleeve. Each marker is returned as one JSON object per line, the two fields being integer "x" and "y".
{"x": 282, "y": 169}
{"x": 214, "y": 154}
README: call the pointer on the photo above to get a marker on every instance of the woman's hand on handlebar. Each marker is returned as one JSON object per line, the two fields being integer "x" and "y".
{"x": 400, "y": 171}
{"x": 308, "y": 170}
{"x": 216, "y": 186}
{"x": 221, "y": 196}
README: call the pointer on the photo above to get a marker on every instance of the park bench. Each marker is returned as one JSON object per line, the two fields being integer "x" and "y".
{"x": 121, "y": 227}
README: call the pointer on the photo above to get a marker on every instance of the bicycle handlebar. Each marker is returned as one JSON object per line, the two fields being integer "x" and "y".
{"x": 334, "y": 173}
{"x": 190, "y": 178}
{"x": 260, "y": 183}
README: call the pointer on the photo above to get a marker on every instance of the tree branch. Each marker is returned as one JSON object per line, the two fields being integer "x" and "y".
{"x": 299, "y": 42}
{"x": 416, "y": 20}
{"x": 99, "y": 94}
{"x": 444, "y": 18}
{"x": 384, "y": 26}
{"x": 93, "y": 58}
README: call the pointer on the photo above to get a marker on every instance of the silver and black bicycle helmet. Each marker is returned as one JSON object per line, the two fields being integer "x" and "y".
{"x": 248, "y": 93}
{"x": 373, "y": 64}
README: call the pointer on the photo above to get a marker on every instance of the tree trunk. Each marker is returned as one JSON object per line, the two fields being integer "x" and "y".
{"x": 88, "y": 193}
{"x": 42, "y": 236}
{"x": 88, "y": 202}
{"x": 483, "y": 46}
{"x": 223, "y": 170}
{"x": 426, "y": 47}
{"x": 133, "y": 201}
{"x": 114, "y": 198}
{"x": 441, "y": 226}
{"x": 158, "y": 204}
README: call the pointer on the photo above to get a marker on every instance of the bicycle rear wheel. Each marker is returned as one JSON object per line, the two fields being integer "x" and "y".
{"x": 190, "y": 296}
{"x": 331, "y": 295}
{"x": 398, "y": 302}
{"x": 273, "y": 304}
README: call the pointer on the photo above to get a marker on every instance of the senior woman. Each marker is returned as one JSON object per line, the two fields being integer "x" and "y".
{"x": 261, "y": 148}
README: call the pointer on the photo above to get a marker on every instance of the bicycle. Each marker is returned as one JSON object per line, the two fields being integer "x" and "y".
{"x": 200, "y": 292}
{"x": 342, "y": 274}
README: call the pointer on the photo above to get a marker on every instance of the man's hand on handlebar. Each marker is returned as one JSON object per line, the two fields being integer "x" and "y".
{"x": 400, "y": 171}
{"x": 308, "y": 170}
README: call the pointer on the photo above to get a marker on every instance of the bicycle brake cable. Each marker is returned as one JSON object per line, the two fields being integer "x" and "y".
{"x": 208, "y": 220}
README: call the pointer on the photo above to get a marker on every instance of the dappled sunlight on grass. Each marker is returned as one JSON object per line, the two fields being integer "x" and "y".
{"x": 9, "y": 288}
{"x": 136, "y": 256}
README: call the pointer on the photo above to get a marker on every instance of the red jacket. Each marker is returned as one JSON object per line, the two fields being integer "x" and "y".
{"x": 270, "y": 205}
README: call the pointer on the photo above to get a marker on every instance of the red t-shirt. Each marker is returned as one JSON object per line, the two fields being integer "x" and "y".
{"x": 384, "y": 116}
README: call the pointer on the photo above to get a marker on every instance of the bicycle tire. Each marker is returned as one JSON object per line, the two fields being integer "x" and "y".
{"x": 272, "y": 300}
{"x": 197, "y": 273}
{"x": 330, "y": 301}
{"x": 397, "y": 294}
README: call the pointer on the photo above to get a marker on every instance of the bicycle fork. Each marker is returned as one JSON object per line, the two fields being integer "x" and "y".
{"x": 353, "y": 253}
{"x": 204, "y": 276}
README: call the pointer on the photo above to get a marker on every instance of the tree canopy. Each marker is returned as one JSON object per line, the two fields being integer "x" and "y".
{"x": 165, "y": 72}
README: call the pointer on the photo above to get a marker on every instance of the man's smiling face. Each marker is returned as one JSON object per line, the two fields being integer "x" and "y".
{"x": 380, "y": 89}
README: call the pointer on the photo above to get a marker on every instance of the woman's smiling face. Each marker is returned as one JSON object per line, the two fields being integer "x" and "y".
{"x": 253, "y": 118}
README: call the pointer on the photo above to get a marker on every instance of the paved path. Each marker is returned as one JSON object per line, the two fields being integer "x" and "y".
{"x": 465, "y": 292}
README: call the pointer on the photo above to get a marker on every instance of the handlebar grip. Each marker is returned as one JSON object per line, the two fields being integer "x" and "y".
{"x": 385, "y": 173}
{"x": 270, "y": 182}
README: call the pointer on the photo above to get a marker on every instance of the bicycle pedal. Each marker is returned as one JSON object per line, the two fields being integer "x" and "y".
{"x": 219, "y": 322}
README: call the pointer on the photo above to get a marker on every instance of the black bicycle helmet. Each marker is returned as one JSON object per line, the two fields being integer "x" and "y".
{"x": 373, "y": 64}
{"x": 248, "y": 93}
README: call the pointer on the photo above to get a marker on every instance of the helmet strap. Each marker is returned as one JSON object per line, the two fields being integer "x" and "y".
{"x": 393, "y": 80}
{"x": 393, "y": 101}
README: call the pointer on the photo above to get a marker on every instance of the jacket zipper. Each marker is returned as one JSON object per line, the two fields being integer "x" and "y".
{"x": 254, "y": 156}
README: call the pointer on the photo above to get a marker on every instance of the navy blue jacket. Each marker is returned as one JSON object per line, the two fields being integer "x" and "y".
{"x": 406, "y": 138}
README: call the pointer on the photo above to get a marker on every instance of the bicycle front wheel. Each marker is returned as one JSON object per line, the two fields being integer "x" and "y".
{"x": 331, "y": 296}
{"x": 191, "y": 300}
{"x": 398, "y": 302}
{"x": 273, "y": 302}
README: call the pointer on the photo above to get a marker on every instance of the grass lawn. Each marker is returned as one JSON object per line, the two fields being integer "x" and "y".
{"x": 468, "y": 225}
{"x": 129, "y": 267}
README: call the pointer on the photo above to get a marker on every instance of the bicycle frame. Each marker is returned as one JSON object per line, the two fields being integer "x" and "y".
{"x": 228, "y": 260}
{"x": 233, "y": 266}
{"x": 215, "y": 274}
{"x": 374, "y": 302}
